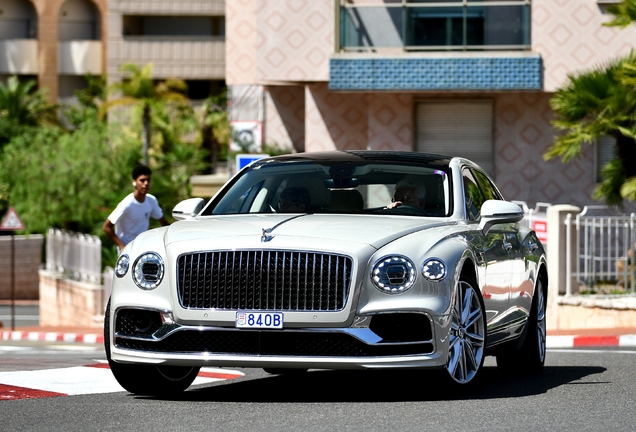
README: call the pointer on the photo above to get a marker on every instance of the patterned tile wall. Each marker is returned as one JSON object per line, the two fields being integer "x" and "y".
{"x": 240, "y": 42}
{"x": 335, "y": 121}
{"x": 390, "y": 121}
{"x": 285, "y": 111}
{"x": 455, "y": 73}
{"x": 570, "y": 36}
{"x": 522, "y": 134}
{"x": 294, "y": 39}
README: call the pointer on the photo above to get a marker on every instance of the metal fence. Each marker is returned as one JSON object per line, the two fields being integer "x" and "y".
{"x": 77, "y": 256}
{"x": 536, "y": 219}
{"x": 605, "y": 243}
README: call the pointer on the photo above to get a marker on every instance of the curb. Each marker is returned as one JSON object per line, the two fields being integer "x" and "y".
{"x": 94, "y": 338}
{"x": 88, "y": 338}
{"x": 590, "y": 341}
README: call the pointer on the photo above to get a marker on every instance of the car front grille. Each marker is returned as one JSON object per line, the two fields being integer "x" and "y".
{"x": 271, "y": 343}
{"x": 264, "y": 280}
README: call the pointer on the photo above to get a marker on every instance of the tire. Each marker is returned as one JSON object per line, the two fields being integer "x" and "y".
{"x": 281, "y": 371}
{"x": 530, "y": 358}
{"x": 467, "y": 338}
{"x": 148, "y": 380}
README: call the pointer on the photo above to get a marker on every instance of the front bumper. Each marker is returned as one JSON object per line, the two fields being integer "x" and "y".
{"x": 152, "y": 340}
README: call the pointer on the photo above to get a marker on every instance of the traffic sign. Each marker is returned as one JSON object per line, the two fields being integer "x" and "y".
{"x": 11, "y": 221}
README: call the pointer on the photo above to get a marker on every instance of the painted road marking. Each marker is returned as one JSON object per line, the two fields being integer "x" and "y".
{"x": 90, "y": 379}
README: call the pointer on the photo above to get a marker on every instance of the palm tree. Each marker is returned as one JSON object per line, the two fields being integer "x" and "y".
{"x": 597, "y": 103}
{"x": 215, "y": 127}
{"x": 155, "y": 101}
{"x": 624, "y": 14}
{"x": 19, "y": 103}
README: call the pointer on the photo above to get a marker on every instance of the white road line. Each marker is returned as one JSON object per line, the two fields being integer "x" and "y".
{"x": 591, "y": 351}
{"x": 81, "y": 380}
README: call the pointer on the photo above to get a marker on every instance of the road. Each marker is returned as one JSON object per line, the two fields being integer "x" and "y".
{"x": 579, "y": 390}
{"x": 22, "y": 315}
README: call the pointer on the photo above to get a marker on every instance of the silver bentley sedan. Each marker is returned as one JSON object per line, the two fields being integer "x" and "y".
{"x": 332, "y": 260}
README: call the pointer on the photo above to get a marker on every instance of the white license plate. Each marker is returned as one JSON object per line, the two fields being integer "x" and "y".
{"x": 271, "y": 320}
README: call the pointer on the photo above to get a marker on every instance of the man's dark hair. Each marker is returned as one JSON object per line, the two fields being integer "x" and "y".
{"x": 140, "y": 170}
{"x": 297, "y": 195}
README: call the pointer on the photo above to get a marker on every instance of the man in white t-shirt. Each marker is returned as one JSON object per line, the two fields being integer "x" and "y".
{"x": 132, "y": 215}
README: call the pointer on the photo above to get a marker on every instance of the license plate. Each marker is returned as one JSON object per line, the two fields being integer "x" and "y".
{"x": 271, "y": 320}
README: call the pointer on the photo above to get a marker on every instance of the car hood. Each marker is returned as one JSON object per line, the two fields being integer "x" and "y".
{"x": 285, "y": 230}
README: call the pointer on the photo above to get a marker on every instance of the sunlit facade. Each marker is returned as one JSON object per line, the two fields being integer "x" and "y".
{"x": 457, "y": 77}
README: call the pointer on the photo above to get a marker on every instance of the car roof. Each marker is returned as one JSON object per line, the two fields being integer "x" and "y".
{"x": 361, "y": 156}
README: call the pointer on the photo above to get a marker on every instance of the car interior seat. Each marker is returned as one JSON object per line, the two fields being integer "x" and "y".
{"x": 345, "y": 200}
{"x": 435, "y": 197}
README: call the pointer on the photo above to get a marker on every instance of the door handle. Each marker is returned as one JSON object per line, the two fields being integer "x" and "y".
{"x": 507, "y": 246}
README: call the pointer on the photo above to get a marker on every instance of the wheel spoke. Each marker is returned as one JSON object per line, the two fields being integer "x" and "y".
{"x": 467, "y": 338}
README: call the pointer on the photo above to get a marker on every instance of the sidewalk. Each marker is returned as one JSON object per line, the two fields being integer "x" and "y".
{"x": 620, "y": 337}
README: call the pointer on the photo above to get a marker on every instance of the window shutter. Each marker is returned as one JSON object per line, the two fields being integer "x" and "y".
{"x": 457, "y": 129}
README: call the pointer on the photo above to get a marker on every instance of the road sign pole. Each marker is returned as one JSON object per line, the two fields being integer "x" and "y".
{"x": 12, "y": 281}
{"x": 12, "y": 222}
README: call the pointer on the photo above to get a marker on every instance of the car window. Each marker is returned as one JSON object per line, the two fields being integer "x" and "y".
{"x": 487, "y": 187}
{"x": 473, "y": 196}
{"x": 311, "y": 187}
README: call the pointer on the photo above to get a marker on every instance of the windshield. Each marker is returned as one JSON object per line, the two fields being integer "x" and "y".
{"x": 310, "y": 187}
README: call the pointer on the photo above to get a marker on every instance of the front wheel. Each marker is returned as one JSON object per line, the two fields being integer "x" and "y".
{"x": 467, "y": 335}
{"x": 148, "y": 379}
{"x": 531, "y": 356}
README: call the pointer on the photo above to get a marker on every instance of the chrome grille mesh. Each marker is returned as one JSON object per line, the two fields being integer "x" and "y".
{"x": 264, "y": 280}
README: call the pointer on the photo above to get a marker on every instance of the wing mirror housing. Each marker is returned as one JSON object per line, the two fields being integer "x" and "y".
{"x": 495, "y": 212}
{"x": 187, "y": 209}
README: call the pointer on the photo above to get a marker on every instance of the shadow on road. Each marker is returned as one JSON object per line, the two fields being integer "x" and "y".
{"x": 385, "y": 386}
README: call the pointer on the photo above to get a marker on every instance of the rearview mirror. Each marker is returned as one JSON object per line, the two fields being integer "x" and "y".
{"x": 495, "y": 212}
{"x": 187, "y": 209}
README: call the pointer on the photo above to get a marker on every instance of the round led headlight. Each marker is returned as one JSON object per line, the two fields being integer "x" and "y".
{"x": 393, "y": 274}
{"x": 434, "y": 270}
{"x": 148, "y": 271}
{"x": 121, "y": 267}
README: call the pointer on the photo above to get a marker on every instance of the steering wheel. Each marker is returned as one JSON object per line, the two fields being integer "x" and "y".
{"x": 404, "y": 209}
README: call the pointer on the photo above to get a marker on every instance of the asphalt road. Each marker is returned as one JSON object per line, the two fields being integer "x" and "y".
{"x": 22, "y": 315}
{"x": 579, "y": 390}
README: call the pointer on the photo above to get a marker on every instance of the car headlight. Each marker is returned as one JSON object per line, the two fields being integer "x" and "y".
{"x": 434, "y": 270}
{"x": 393, "y": 274}
{"x": 121, "y": 268}
{"x": 148, "y": 271}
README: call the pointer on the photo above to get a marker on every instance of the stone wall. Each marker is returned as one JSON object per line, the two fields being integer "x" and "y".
{"x": 27, "y": 260}
{"x": 65, "y": 302}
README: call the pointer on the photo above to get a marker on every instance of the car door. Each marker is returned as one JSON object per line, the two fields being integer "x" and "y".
{"x": 493, "y": 255}
{"x": 511, "y": 260}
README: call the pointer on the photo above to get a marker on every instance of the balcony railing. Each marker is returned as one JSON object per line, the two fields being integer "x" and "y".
{"x": 19, "y": 56}
{"x": 433, "y": 25}
{"x": 80, "y": 57}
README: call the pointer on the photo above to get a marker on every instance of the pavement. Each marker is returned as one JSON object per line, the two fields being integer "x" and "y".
{"x": 602, "y": 337}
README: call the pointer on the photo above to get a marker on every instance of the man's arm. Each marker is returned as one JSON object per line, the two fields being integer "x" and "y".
{"x": 163, "y": 221}
{"x": 109, "y": 229}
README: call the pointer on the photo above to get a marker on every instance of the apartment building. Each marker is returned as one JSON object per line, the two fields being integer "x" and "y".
{"x": 58, "y": 42}
{"x": 458, "y": 77}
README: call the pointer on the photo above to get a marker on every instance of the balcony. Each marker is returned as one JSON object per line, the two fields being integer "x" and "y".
{"x": 185, "y": 57}
{"x": 443, "y": 25}
{"x": 19, "y": 56}
{"x": 80, "y": 57}
{"x": 403, "y": 45}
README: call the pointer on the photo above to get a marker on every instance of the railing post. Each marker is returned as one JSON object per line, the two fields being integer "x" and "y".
{"x": 568, "y": 255}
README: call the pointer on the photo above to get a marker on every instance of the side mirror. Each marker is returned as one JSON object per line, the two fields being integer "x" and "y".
{"x": 495, "y": 212}
{"x": 187, "y": 209}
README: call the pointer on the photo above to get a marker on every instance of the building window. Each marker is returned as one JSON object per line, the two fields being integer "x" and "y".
{"x": 441, "y": 25}
{"x": 173, "y": 26}
{"x": 605, "y": 152}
